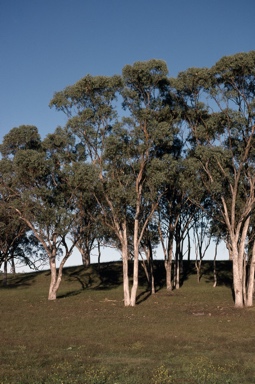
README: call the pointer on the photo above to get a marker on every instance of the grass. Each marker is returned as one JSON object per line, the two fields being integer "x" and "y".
{"x": 191, "y": 335}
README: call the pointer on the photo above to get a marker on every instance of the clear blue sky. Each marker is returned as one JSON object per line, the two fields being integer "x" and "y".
{"x": 49, "y": 44}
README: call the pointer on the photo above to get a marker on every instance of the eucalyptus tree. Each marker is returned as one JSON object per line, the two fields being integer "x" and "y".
{"x": 90, "y": 105}
{"x": 146, "y": 97}
{"x": 122, "y": 148}
{"x": 11, "y": 234}
{"x": 168, "y": 213}
{"x": 219, "y": 107}
{"x": 41, "y": 196}
{"x": 16, "y": 243}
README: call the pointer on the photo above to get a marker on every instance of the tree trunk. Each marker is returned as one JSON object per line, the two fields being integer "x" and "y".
{"x": 125, "y": 277}
{"x": 53, "y": 278}
{"x": 85, "y": 255}
{"x": 215, "y": 265}
{"x": 4, "y": 282}
{"x": 151, "y": 269}
{"x": 250, "y": 282}
{"x": 125, "y": 257}
{"x": 177, "y": 272}
{"x": 13, "y": 268}
{"x": 178, "y": 257}
{"x": 168, "y": 264}
{"x": 135, "y": 265}
{"x": 237, "y": 281}
{"x": 99, "y": 254}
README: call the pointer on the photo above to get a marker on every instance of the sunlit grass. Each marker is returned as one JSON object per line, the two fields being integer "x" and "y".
{"x": 193, "y": 335}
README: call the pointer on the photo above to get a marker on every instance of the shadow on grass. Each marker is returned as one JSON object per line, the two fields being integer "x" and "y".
{"x": 143, "y": 296}
{"x": 19, "y": 280}
{"x": 70, "y": 294}
{"x": 108, "y": 276}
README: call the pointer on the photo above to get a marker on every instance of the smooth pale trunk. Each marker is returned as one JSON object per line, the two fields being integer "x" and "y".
{"x": 125, "y": 274}
{"x": 135, "y": 266}
{"x": 55, "y": 279}
{"x": 168, "y": 267}
{"x": 250, "y": 287}
{"x": 237, "y": 280}
{"x": 53, "y": 275}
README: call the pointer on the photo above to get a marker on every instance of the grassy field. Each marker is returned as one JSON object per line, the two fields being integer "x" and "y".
{"x": 191, "y": 335}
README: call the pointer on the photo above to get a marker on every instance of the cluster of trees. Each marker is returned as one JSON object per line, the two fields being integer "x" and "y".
{"x": 143, "y": 160}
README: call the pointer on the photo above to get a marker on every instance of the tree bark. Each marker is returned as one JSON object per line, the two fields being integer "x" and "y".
{"x": 168, "y": 266}
{"x": 250, "y": 282}
{"x": 125, "y": 257}
{"x": 53, "y": 277}
{"x": 135, "y": 265}
{"x": 215, "y": 265}
{"x": 4, "y": 282}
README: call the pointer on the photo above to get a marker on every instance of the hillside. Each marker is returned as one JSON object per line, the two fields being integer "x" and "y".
{"x": 190, "y": 335}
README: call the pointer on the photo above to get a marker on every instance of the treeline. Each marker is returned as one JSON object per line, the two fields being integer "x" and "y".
{"x": 143, "y": 160}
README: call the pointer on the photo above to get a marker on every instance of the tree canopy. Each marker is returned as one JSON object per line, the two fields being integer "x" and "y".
{"x": 142, "y": 159}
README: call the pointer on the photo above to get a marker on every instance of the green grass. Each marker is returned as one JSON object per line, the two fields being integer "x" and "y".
{"x": 193, "y": 335}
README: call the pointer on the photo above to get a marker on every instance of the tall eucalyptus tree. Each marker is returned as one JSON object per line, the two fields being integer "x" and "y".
{"x": 219, "y": 108}
{"x": 122, "y": 149}
{"x": 41, "y": 197}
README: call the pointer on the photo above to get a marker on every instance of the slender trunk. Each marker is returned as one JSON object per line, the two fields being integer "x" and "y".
{"x": 244, "y": 279}
{"x": 189, "y": 247}
{"x": 13, "y": 268}
{"x": 85, "y": 255}
{"x": 4, "y": 282}
{"x": 215, "y": 266}
{"x": 53, "y": 278}
{"x": 56, "y": 275}
{"x": 125, "y": 258}
{"x": 250, "y": 282}
{"x": 198, "y": 268}
{"x": 167, "y": 256}
{"x": 125, "y": 277}
{"x": 151, "y": 268}
{"x": 168, "y": 267}
{"x": 146, "y": 270}
{"x": 177, "y": 273}
{"x": 149, "y": 271}
{"x": 237, "y": 279}
{"x": 178, "y": 238}
{"x": 99, "y": 254}
{"x": 135, "y": 265}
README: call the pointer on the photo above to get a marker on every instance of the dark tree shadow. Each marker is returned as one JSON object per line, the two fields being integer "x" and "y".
{"x": 143, "y": 296}
{"x": 20, "y": 280}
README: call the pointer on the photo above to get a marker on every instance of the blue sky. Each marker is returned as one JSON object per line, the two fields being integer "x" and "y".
{"x": 49, "y": 44}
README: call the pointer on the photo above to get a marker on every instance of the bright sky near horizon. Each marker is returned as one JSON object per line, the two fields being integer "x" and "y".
{"x": 49, "y": 44}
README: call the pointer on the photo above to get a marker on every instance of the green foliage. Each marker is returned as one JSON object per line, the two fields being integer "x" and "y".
{"x": 23, "y": 137}
{"x": 137, "y": 142}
